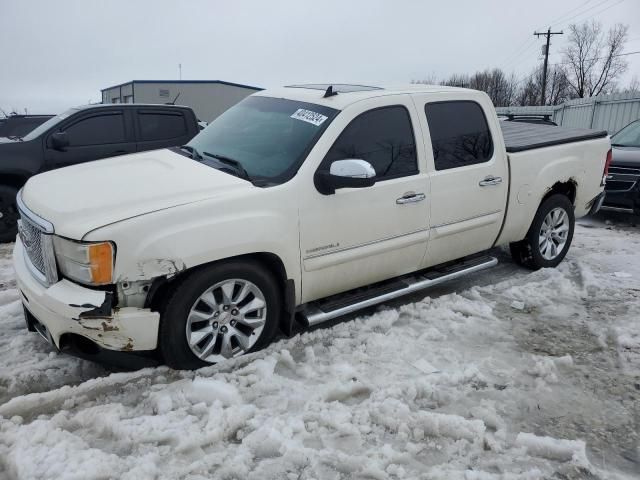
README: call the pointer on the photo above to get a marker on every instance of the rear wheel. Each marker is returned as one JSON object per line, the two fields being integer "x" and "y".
{"x": 8, "y": 214}
{"x": 549, "y": 237}
{"x": 219, "y": 312}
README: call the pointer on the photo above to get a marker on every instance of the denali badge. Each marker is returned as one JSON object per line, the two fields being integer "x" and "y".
{"x": 324, "y": 247}
{"x": 25, "y": 236}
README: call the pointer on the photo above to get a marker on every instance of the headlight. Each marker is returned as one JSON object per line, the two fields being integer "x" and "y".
{"x": 90, "y": 263}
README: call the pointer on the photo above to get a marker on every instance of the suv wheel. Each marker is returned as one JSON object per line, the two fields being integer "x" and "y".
{"x": 219, "y": 312}
{"x": 8, "y": 214}
{"x": 549, "y": 236}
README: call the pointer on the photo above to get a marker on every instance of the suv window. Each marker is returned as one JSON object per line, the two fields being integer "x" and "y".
{"x": 161, "y": 126}
{"x": 384, "y": 138}
{"x": 460, "y": 135}
{"x": 97, "y": 130}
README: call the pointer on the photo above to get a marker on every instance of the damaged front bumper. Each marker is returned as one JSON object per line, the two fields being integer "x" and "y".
{"x": 68, "y": 308}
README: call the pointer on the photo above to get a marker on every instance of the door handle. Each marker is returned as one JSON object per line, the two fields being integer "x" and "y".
{"x": 490, "y": 180}
{"x": 410, "y": 197}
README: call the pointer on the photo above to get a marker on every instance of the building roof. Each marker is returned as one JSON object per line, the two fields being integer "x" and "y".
{"x": 221, "y": 82}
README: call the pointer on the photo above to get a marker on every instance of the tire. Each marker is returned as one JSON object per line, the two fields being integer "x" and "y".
{"x": 200, "y": 324}
{"x": 8, "y": 214}
{"x": 549, "y": 237}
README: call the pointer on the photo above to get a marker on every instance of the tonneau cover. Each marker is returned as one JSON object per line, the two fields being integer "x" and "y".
{"x": 520, "y": 136}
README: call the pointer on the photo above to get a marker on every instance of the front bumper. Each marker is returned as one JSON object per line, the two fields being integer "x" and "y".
{"x": 68, "y": 308}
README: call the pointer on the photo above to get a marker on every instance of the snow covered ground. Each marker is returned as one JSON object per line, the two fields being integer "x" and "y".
{"x": 504, "y": 375}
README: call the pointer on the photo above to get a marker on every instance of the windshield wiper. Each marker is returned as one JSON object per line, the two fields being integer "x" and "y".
{"x": 15, "y": 137}
{"x": 237, "y": 166}
{"x": 195, "y": 154}
{"x": 619, "y": 145}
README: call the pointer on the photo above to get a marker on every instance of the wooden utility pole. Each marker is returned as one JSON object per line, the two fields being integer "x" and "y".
{"x": 547, "y": 34}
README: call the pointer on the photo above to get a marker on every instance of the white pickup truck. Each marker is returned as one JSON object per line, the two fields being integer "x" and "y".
{"x": 299, "y": 204}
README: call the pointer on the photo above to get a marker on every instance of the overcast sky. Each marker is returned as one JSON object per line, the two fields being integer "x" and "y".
{"x": 56, "y": 54}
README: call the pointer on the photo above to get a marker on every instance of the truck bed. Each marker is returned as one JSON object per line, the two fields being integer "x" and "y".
{"x": 520, "y": 136}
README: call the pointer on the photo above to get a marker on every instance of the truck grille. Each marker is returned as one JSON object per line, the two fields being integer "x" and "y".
{"x": 31, "y": 237}
{"x": 622, "y": 179}
{"x": 38, "y": 245}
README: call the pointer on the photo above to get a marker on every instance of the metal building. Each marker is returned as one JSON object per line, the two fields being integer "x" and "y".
{"x": 606, "y": 112}
{"x": 208, "y": 98}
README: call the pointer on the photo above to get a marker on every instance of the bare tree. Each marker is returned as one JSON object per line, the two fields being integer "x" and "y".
{"x": 428, "y": 80}
{"x": 457, "y": 80}
{"x": 593, "y": 59}
{"x": 558, "y": 86}
{"x": 500, "y": 87}
{"x": 558, "y": 89}
{"x": 633, "y": 87}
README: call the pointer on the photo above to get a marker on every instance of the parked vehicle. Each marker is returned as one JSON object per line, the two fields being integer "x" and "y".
{"x": 82, "y": 134}
{"x": 304, "y": 202}
{"x": 623, "y": 182}
{"x": 16, "y": 126}
{"x": 541, "y": 119}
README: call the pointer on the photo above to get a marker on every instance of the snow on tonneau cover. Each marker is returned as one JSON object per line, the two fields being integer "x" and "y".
{"x": 521, "y": 136}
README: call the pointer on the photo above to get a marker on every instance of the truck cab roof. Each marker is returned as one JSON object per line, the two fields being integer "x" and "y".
{"x": 126, "y": 105}
{"x": 347, "y": 94}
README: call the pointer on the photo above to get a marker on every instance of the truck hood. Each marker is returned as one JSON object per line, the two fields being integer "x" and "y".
{"x": 625, "y": 156}
{"x": 84, "y": 197}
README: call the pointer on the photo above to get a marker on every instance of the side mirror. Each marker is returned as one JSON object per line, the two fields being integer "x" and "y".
{"x": 349, "y": 173}
{"x": 60, "y": 141}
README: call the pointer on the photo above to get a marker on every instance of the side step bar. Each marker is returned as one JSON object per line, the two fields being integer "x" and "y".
{"x": 319, "y": 312}
{"x": 616, "y": 209}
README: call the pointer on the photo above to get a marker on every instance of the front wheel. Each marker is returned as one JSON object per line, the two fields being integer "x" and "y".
{"x": 549, "y": 237}
{"x": 219, "y": 312}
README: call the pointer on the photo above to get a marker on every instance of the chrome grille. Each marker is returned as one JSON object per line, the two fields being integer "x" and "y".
{"x": 36, "y": 235}
{"x": 624, "y": 170}
{"x": 622, "y": 179}
{"x": 31, "y": 237}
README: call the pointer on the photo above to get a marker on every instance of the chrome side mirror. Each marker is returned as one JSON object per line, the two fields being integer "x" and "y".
{"x": 348, "y": 173}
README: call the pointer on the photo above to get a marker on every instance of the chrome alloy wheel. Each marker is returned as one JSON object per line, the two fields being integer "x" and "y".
{"x": 226, "y": 320}
{"x": 554, "y": 233}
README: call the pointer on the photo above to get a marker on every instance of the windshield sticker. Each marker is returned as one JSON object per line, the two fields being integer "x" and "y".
{"x": 308, "y": 116}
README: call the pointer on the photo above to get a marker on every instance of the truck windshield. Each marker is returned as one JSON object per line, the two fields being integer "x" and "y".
{"x": 629, "y": 136}
{"x": 268, "y": 137}
{"x": 35, "y": 133}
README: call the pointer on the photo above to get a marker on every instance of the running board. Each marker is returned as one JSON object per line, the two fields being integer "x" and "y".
{"x": 616, "y": 209}
{"x": 319, "y": 312}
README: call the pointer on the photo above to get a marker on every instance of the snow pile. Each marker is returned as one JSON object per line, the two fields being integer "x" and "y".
{"x": 554, "y": 449}
{"x": 523, "y": 376}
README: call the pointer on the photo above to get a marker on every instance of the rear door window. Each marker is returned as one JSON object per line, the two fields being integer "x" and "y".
{"x": 160, "y": 125}
{"x": 384, "y": 138}
{"x": 460, "y": 134}
{"x": 97, "y": 130}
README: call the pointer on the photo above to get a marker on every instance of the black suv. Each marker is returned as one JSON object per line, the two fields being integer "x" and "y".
{"x": 83, "y": 134}
{"x": 19, "y": 125}
{"x": 623, "y": 182}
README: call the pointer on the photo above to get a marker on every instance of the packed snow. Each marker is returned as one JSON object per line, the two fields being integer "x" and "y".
{"x": 505, "y": 374}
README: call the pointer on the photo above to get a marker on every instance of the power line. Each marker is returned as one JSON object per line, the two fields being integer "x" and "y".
{"x": 567, "y": 20}
{"x": 526, "y": 46}
{"x": 601, "y": 58}
{"x": 558, "y": 19}
{"x": 518, "y": 54}
{"x": 515, "y": 53}
{"x": 600, "y": 11}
